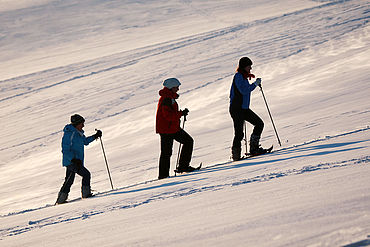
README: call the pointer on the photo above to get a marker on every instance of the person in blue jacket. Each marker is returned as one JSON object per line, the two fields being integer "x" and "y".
{"x": 240, "y": 111}
{"x": 73, "y": 143}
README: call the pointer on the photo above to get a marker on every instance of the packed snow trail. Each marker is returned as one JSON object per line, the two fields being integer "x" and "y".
{"x": 70, "y": 216}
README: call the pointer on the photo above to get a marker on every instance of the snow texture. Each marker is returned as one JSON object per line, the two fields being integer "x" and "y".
{"x": 106, "y": 61}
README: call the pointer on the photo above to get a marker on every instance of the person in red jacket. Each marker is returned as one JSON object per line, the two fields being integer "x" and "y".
{"x": 168, "y": 127}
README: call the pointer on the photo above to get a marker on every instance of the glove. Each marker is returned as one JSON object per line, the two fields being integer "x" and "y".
{"x": 258, "y": 82}
{"x": 77, "y": 162}
{"x": 185, "y": 112}
{"x": 98, "y": 134}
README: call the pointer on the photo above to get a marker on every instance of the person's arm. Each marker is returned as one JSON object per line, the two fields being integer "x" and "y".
{"x": 168, "y": 112}
{"x": 88, "y": 140}
{"x": 243, "y": 84}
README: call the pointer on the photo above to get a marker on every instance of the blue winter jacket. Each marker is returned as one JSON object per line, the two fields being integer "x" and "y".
{"x": 245, "y": 90}
{"x": 73, "y": 142}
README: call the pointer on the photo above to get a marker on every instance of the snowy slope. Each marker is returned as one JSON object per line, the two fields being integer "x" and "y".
{"x": 106, "y": 59}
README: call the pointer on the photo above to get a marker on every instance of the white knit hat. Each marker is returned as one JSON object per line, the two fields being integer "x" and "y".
{"x": 171, "y": 82}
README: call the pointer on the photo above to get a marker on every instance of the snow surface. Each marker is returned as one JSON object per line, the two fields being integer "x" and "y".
{"x": 106, "y": 60}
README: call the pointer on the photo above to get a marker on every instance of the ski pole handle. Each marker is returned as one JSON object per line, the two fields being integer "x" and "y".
{"x": 185, "y": 112}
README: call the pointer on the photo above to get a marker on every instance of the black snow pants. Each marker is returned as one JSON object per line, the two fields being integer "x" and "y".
{"x": 239, "y": 116}
{"x": 71, "y": 171}
{"x": 166, "y": 151}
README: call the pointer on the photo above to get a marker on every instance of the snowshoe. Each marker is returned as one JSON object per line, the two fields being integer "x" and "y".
{"x": 62, "y": 198}
{"x": 260, "y": 151}
{"x": 188, "y": 169}
{"x": 86, "y": 192}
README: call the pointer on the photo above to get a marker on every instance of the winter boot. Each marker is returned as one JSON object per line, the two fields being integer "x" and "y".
{"x": 254, "y": 146}
{"x": 62, "y": 198}
{"x": 86, "y": 191}
{"x": 235, "y": 153}
{"x": 162, "y": 177}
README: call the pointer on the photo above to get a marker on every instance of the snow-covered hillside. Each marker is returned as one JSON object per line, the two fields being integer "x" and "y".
{"x": 106, "y": 60}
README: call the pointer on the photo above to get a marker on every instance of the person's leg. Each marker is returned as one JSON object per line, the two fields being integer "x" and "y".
{"x": 165, "y": 157}
{"x": 86, "y": 178}
{"x": 238, "y": 135}
{"x": 69, "y": 179}
{"x": 187, "y": 148}
{"x": 85, "y": 174}
{"x": 254, "y": 119}
{"x": 66, "y": 187}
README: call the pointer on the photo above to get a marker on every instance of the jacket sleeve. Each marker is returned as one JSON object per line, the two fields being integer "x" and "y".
{"x": 67, "y": 141}
{"x": 168, "y": 112}
{"x": 243, "y": 84}
{"x": 88, "y": 140}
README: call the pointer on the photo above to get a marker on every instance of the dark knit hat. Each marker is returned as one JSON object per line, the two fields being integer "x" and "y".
{"x": 244, "y": 62}
{"x": 77, "y": 119}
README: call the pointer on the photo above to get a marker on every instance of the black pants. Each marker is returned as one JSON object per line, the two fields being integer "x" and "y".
{"x": 166, "y": 151}
{"x": 239, "y": 116}
{"x": 71, "y": 171}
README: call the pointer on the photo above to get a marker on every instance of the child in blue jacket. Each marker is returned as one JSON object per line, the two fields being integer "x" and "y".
{"x": 73, "y": 143}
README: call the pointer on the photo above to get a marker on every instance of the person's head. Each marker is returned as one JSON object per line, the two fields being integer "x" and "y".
{"x": 245, "y": 65}
{"x": 172, "y": 83}
{"x": 77, "y": 121}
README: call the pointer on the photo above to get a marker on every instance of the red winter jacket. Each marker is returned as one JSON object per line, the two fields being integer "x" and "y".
{"x": 168, "y": 114}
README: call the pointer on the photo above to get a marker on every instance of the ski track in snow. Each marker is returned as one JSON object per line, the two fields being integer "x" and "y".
{"x": 191, "y": 178}
{"x": 73, "y": 216}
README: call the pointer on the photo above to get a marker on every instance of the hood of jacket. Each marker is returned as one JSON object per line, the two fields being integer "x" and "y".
{"x": 167, "y": 93}
{"x": 71, "y": 128}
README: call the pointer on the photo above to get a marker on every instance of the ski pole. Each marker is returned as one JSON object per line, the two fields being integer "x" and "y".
{"x": 245, "y": 138}
{"x": 272, "y": 121}
{"x": 178, "y": 152}
{"x": 106, "y": 162}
